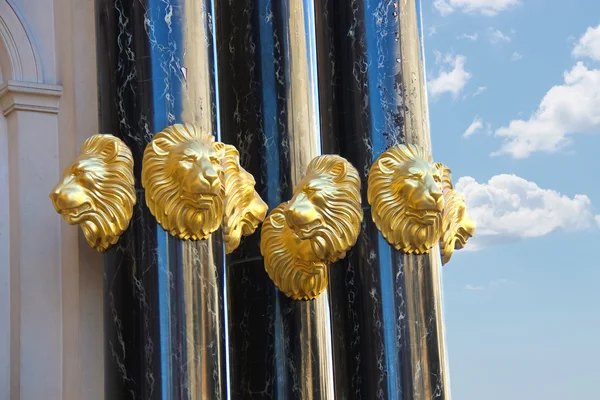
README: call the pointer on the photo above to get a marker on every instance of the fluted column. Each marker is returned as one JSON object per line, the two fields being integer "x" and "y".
{"x": 388, "y": 340}
{"x": 279, "y": 348}
{"x": 164, "y": 298}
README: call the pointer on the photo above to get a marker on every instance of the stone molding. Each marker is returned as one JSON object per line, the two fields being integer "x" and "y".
{"x": 29, "y": 96}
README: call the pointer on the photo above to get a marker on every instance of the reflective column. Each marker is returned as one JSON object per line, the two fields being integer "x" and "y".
{"x": 269, "y": 106}
{"x": 164, "y": 298}
{"x": 388, "y": 340}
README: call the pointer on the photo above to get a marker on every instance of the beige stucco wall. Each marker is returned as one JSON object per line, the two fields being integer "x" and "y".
{"x": 50, "y": 280}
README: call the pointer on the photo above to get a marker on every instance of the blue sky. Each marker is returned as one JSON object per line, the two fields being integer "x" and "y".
{"x": 514, "y": 92}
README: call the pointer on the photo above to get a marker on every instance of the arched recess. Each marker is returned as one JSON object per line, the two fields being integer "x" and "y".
{"x": 19, "y": 59}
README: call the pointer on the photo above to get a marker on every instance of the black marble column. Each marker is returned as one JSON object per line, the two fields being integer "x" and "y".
{"x": 279, "y": 349}
{"x": 386, "y": 307}
{"x": 164, "y": 298}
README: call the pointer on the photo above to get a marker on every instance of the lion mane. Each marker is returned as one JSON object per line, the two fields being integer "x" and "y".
{"x": 457, "y": 226}
{"x": 299, "y": 266}
{"x": 244, "y": 209}
{"x": 97, "y": 191}
{"x": 164, "y": 194}
{"x": 403, "y": 226}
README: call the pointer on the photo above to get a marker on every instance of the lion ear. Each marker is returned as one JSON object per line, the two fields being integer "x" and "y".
{"x": 219, "y": 147}
{"x": 110, "y": 150}
{"x": 339, "y": 171}
{"x": 386, "y": 165}
{"x": 157, "y": 149}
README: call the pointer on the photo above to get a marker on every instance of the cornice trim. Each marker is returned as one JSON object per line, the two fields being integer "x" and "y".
{"x": 29, "y": 96}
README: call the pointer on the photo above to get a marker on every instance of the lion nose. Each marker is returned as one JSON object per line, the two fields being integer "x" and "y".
{"x": 210, "y": 178}
{"x": 436, "y": 195}
{"x": 210, "y": 175}
{"x": 292, "y": 215}
{"x": 438, "y": 200}
{"x": 54, "y": 196}
{"x": 298, "y": 213}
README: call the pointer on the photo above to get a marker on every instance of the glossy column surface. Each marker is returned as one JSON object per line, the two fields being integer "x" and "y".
{"x": 279, "y": 348}
{"x": 386, "y": 307}
{"x": 164, "y": 298}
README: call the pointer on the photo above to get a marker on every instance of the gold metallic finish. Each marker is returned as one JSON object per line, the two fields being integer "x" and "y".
{"x": 412, "y": 71}
{"x": 406, "y": 197}
{"x": 244, "y": 209}
{"x": 181, "y": 175}
{"x": 194, "y": 183}
{"x": 457, "y": 226}
{"x": 301, "y": 237}
{"x": 202, "y": 321}
{"x": 97, "y": 191}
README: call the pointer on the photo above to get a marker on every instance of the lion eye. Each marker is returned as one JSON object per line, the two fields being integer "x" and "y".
{"x": 309, "y": 191}
{"x": 85, "y": 178}
{"x": 77, "y": 171}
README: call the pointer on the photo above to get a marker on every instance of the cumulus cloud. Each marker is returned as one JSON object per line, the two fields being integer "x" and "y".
{"x": 443, "y": 7}
{"x": 588, "y": 45}
{"x": 509, "y": 208}
{"x": 494, "y": 283}
{"x": 484, "y": 7}
{"x": 479, "y": 90}
{"x": 476, "y": 125}
{"x": 516, "y": 56}
{"x": 571, "y": 107}
{"x": 451, "y": 77}
{"x": 497, "y": 36}
{"x": 472, "y": 37}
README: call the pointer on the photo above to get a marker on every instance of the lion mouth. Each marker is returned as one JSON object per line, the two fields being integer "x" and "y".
{"x": 307, "y": 229}
{"x": 204, "y": 200}
{"x": 76, "y": 212}
{"x": 427, "y": 217}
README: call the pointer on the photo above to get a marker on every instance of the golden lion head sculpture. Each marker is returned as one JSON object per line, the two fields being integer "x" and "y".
{"x": 244, "y": 209}
{"x": 406, "y": 198}
{"x": 97, "y": 191}
{"x": 321, "y": 222}
{"x": 193, "y": 182}
{"x": 457, "y": 225}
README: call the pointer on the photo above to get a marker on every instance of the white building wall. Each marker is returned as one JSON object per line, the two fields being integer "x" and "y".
{"x": 51, "y": 330}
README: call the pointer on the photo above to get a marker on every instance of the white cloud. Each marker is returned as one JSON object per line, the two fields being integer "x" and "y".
{"x": 589, "y": 44}
{"x": 485, "y": 7}
{"x": 516, "y": 56}
{"x": 443, "y": 8}
{"x": 500, "y": 281}
{"x": 449, "y": 80}
{"x": 566, "y": 109}
{"x": 496, "y": 36}
{"x": 472, "y": 37}
{"x": 432, "y": 30}
{"x": 438, "y": 56}
{"x": 508, "y": 208}
{"x": 494, "y": 283}
{"x": 480, "y": 90}
{"x": 476, "y": 125}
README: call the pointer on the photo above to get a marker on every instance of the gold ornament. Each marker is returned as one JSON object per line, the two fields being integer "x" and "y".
{"x": 193, "y": 182}
{"x": 301, "y": 237}
{"x": 244, "y": 209}
{"x": 97, "y": 191}
{"x": 406, "y": 199}
{"x": 457, "y": 226}
{"x": 414, "y": 204}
